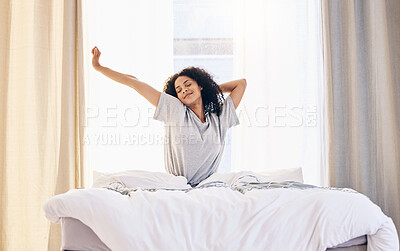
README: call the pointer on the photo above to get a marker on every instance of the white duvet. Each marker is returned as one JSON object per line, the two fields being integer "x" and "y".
{"x": 219, "y": 217}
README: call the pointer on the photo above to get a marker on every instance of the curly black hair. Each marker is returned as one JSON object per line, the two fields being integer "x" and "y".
{"x": 211, "y": 94}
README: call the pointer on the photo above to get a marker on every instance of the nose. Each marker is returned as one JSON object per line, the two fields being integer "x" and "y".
{"x": 185, "y": 90}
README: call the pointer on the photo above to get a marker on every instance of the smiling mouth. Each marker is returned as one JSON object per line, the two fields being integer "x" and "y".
{"x": 187, "y": 95}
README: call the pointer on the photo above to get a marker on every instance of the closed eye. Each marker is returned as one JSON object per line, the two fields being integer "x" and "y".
{"x": 186, "y": 85}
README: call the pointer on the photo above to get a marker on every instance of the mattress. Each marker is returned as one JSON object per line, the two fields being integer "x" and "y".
{"x": 78, "y": 236}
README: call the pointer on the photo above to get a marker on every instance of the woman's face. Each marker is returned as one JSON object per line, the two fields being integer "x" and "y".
{"x": 188, "y": 91}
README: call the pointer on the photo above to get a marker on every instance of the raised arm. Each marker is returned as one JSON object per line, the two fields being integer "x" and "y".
{"x": 148, "y": 92}
{"x": 236, "y": 89}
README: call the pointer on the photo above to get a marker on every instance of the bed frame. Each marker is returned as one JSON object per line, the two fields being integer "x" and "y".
{"x": 78, "y": 236}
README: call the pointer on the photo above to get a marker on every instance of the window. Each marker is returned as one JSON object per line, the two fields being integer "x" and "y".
{"x": 274, "y": 44}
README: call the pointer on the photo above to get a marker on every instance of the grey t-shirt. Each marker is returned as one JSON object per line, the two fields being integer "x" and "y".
{"x": 193, "y": 149}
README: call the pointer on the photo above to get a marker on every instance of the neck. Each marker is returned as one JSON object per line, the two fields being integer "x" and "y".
{"x": 198, "y": 109}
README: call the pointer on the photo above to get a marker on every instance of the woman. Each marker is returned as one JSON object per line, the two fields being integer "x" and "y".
{"x": 195, "y": 115}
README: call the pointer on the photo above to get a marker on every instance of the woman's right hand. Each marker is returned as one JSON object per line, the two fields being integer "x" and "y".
{"x": 95, "y": 60}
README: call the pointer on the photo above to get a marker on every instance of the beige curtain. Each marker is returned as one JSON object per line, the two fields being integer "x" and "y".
{"x": 41, "y": 108}
{"x": 362, "y": 80}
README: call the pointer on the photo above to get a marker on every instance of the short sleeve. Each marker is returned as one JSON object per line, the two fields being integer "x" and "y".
{"x": 228, "y": 115}
{"x": 168, "y": 108}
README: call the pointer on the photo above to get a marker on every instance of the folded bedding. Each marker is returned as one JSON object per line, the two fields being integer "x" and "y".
{"x": 235, "y": 211}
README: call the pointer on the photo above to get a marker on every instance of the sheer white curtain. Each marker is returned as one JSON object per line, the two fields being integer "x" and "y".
{"x": 278, "y": 50}
{"x": 134, "y": 37}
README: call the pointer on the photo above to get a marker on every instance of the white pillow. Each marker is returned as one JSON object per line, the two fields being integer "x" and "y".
{"x": 140, "y": 179}
{"x": 280, "y": 175}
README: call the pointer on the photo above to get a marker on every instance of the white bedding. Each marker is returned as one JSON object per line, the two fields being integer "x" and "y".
{"x": 219, "y": 217}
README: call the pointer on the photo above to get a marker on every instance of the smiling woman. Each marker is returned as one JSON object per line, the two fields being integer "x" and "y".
{"x": 195, "y": 114}
{"x": 164, "y": 36}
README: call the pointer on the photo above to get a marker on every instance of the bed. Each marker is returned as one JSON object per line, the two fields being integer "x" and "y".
{"x": 138, "y": 210}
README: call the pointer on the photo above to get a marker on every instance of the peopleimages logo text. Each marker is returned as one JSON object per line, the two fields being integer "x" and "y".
{"x": 262, "y": 116}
